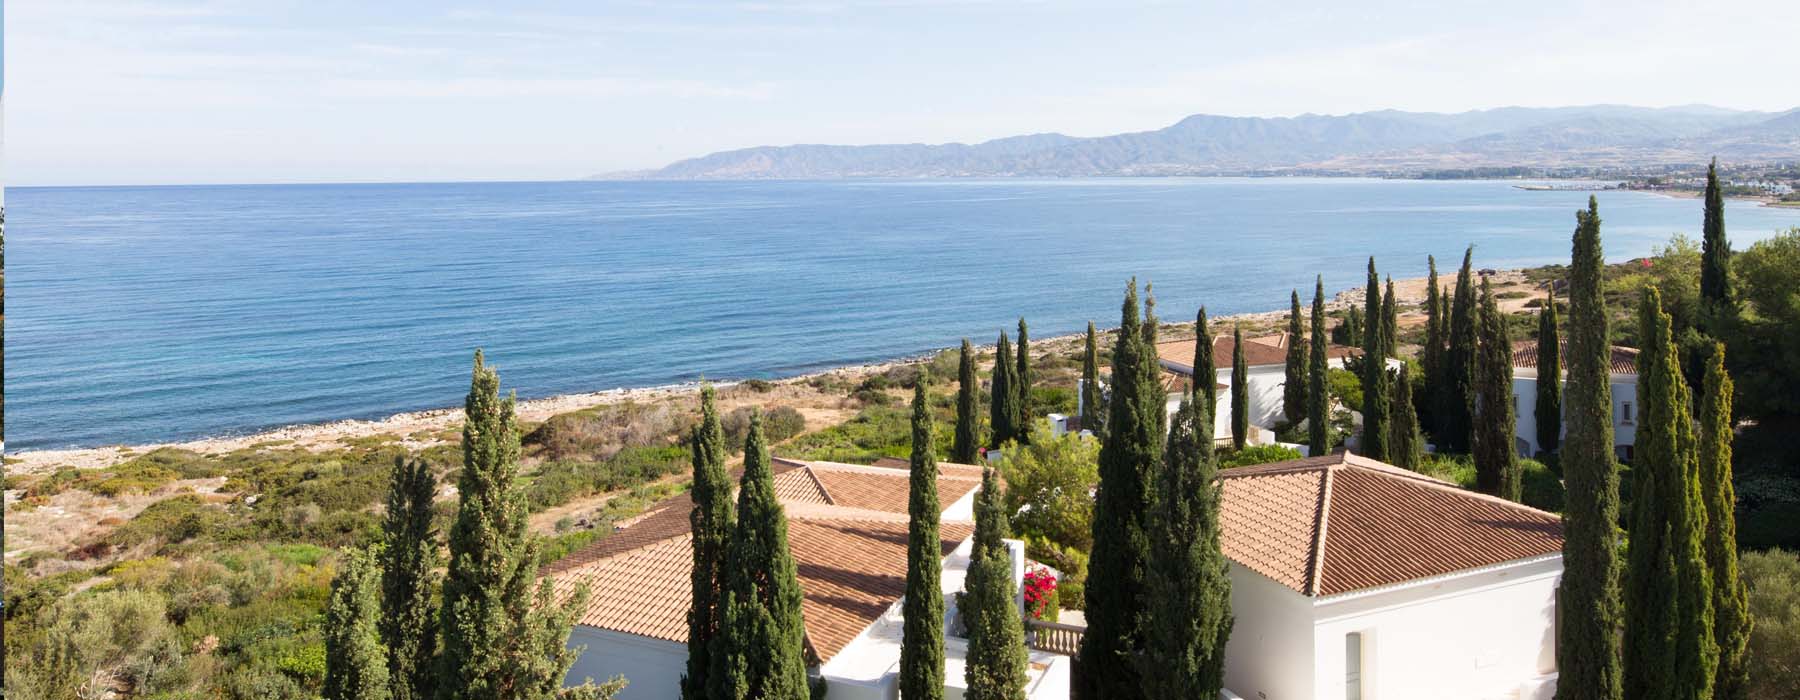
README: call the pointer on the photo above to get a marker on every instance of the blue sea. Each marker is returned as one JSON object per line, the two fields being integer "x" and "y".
{"x": 140, "y": 314}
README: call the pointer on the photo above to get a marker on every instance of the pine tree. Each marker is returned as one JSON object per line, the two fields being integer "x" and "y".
{"x": 997, "y": 660}
{"x": 1188, "y": 583}
{"x": 1293, "y": 385}
{"x": 966, "y": 448}
{"x": 1731, "y": 614}
{"x": 1022, "y": 387}
{"x": 1549, "y": 384}
{"x": 1374, "y": 374}
{"x": 1240, "y": 391}
{"x": 1390, "y": 322}
{"x": 1457, "y": 392}
{"x": 1431, "y": 357}
{"x": 711, "y": 521}
{"x": 760, "y": 651}
{"x": 1093, "y": 416}
{"x": 1406, "y": 446}
{"x": 1003, "y": 407}
{"x": 1715, "y": 250}
{"x": 409, "y": 562}
{"x": 1318, "y": 401}
{"x": 355, "y": 661}
{"x": 1587, "y": 654}
{"x": 1127, "y": 464}
{"x": 1205, "y": 379}
{"x": 1670, "y": 651}
{"x": 922, "y": 651}
{"x": 1496, "y": 465}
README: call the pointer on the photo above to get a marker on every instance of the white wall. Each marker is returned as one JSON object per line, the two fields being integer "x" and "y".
{"x": 1524, "y": 388}
{"x": 1270, "y": 653}
{"x": 1474, "y": 636}
{"x": 652, "y": 666}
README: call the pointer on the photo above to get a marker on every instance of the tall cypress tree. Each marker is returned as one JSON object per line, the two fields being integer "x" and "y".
{"x": 1022, "y": 386}
{"x": 1458, "y": 390}
{"x": 1496, "y": 465}
{"x": 1715, "y": 250}
{"x": 966, "y": 448}
{"x": 1188, "y": 583}
{"x": 1128, "y": 461}
{"x": 1548, "y": 410}
{"x": 1731, "y": 614}
{"x": 409, "y": 562}
{"x": 1205, "y": 379}
{"x": 922, "y": 649}
{"x": 760, "y": 650}
{"x": 997, "y": 658}
{"x": 1318, "y": 401}
{"x": 1374, "y": 374}
{"x": 1240, "y": 391}
{"x": 1431, "y": 357}
{"x": 1587, "y": 654}
{"x": 1293, "y": 384}
{"x": 355, "y": 662}
{"x": 1003, "y": 406}
{"x": 1670, "y": 651}
{"x": 1390, "y": 322}
{"x": 1406, "y": 447}
{"x": 1093, "y": 415}
{"x": 712, "y": 521}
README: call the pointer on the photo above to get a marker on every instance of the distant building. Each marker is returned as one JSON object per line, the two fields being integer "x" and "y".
{"x": 1622, "y": 377}
{"x": 1265, "y": 360}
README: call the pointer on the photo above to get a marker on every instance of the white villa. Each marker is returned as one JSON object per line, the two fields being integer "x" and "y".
{"x": 1623, "y": 377}
{"x": 1265, "y": 361}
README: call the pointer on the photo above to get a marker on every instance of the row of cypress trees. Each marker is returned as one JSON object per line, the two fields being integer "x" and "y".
{"x": 498, "y": 632}
{"x": 1010, "y": 413}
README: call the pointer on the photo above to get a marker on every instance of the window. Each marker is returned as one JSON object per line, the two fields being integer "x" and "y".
{"x": 1625, "y": 413}
{"x": 1353, "y": 652}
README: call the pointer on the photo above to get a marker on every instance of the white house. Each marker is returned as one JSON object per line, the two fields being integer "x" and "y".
{"x": 1622, "y": 377}
{"x": 1265, "y": 364}
{"x": 847, "y": 529}
{"x": 1355, "y": 580}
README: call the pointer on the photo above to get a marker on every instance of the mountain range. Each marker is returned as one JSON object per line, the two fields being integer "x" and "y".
{"x": 1387, "y": 142}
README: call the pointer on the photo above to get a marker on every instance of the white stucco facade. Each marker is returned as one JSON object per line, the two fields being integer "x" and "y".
{"x": 653, "y": 667}
{"x": 1487, "y": 633}
{"x": 1624, "y": 410}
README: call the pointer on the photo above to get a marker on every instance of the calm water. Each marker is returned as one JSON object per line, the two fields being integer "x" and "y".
{"x": 158, "y": 313}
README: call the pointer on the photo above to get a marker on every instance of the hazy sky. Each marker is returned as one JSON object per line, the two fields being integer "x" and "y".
{"x": 179, "y": 91}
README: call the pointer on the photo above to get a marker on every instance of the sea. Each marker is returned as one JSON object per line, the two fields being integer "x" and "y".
{"x": 149, "y": 314}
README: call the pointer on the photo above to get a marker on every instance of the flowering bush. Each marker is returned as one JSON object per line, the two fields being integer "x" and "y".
{"x": 1040, "y": 594}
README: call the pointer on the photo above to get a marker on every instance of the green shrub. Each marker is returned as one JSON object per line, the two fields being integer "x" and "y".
{"x": 779, "y": 423}
{"x": 760, "y": 386}
{"x": 876, "y": 431}
{"x": 1773, "y": 578}
{"x": 556, "y": 483}
{"x": 1052, "y": 399}
{"x": 1344, "y": 386}
{"x": 171, "y": 520}
{"x": 1257, "y": 454}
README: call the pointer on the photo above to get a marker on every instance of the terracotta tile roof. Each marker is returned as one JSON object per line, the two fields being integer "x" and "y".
{"x": 1178, "y": 355}
{"x": 1340, "y": 523}
{"x": 850, "y": 551}
{"x": 1524, "y": 355}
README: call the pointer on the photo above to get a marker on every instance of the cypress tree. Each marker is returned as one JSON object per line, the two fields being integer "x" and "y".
{"x": 1406, "y": 447}
{"x": 1587, "y": 655}
{"x": 409, "y": 562}
{"x": 1093, "y": 415}
{"x": 1022, "y": 386}
{"x": 997, "y": 658}
{"x": 1431, "y": 357}
{"x": 1350, "y": 332}
{"x": 966, "y": 448}
{"x": 922, "y": 649}
{"x": 1003, "y": 406}
{"x": 712, "y": 523}
{"x": 1293, "y": 384}
{"x": 1318, "y": 401}
{"x": 1374, "y": 374}
{"x": 355, "y": 662}
{"x": 760, "y": 650}
{"x": 1458, "y": 390}
{"x": 1731, "y": 614}
{"x": 1240, "y": 391}
{"x": 1390, "y": 322}
{"x": 1715, "y": 249}
{"x": 1127, "y": 463}
{"x": 1496, "y": 465}
{"x": 1670, "y": 651}
{"x": 1549, "y": 385}
{"x": 1188, "y": 583}
{"x": 1205, "y": 379}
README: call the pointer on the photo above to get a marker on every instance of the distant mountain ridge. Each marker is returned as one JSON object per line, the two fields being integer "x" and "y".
{"x": 1385, "y": 142}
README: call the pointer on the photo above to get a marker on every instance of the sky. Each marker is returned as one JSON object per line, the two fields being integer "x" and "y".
{"x": 228, "y": 91}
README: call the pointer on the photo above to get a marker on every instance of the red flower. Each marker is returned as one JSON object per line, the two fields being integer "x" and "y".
{"x": 1040, "y": 589}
